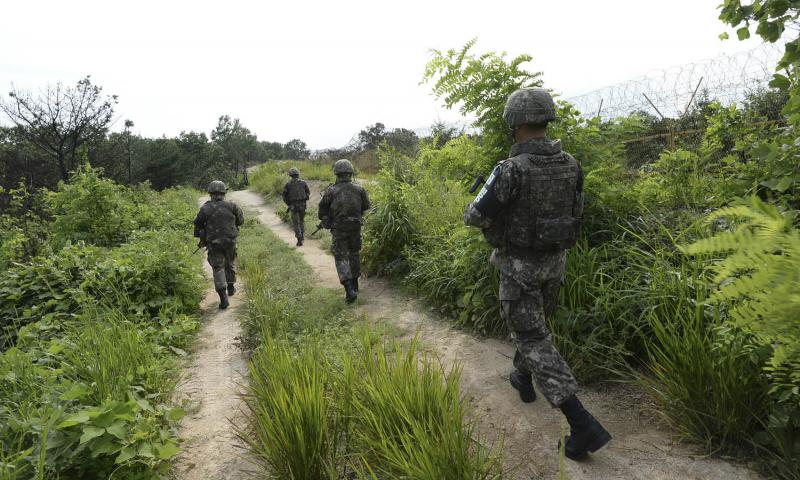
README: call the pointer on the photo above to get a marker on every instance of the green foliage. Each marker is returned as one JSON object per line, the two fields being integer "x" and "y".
{"x": 327, "y": 400}
{"x": 707, "y": 382}
{"x": 90, "y": 335}
{"x": 409, "y": 419}
{"x": 479, "y": 85}
{"x": 92, "y": 209}
{"x": 23, "y": 225}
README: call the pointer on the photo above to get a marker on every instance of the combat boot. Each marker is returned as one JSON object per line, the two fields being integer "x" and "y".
{"x": 586, "y": 433}
{"x": 223, "y": 299}
{"x": 523, "y": 383}
{"x": 351, "y": 295}
{"x": 231, "y": 289}
{"x": 299, "y": 241}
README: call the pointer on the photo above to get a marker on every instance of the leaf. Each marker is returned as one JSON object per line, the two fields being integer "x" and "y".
{"x": 175, "y": 414}
{"x": 724, "y": 36}
{"x": 78, "y": 390}
{"x": 103, "y": 446}
{"x": 126, "y": 454}
{"x": 784, "y": 184}
{"x": 178, "y": 351}
{"x": 167, "y": 451}
{"x": 780, "y": 82}
{"x": 105, "y": 419}
{"x": 743, "y": 33}
{"x": 75, "y": 419}
{"x": 118, "y": 429}
{"x": 144, "y": 404}
{"x": 146, "y": 450}
{"x": 90, "y": 432}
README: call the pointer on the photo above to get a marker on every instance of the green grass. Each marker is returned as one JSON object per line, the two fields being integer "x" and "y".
{"x": 329, "y": 396}
{"x": 88, "y": 372}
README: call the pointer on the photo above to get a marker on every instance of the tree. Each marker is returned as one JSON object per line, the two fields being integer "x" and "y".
{"x": 236, "y": 141}
{"x": 272, "y": 150}
{"x": 780, "y": 153}
{"x": 480, "y": 84}
{"x": 403, "y": 140}
{"x": 61, "y": 119}
{"x": 127, "y": 133}
{"x": 372, "y": 137}
{"x": 295, "y": 149}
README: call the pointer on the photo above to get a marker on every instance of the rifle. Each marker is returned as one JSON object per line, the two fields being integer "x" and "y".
{"x": 319, "y": 227}
{"x": 200, "y": 244}
{"x": 477, "y": 183}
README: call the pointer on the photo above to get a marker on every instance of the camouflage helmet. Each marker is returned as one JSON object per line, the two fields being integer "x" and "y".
{"x": 343, "y": 166}
{"x": 217, "y": 187}
{"x": 294, "y": 171}
{"x": 529, "y": 105}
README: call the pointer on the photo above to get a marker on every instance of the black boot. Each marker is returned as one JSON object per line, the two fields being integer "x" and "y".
{"x": 351, "y": 295}
{"x": 223, "y": 299}
{"x": 231, "y": 289}
{"x": 524, "y": 385}
{"x": 299, "y": 241}
{"x": 586, "y": 433}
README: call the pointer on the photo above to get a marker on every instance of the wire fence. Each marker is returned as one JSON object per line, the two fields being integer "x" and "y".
{"x": 669, "y": 92}
{"x": 672, "y": 105}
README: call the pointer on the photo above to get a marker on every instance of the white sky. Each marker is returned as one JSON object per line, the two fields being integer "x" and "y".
{"x": 323, "y": 70}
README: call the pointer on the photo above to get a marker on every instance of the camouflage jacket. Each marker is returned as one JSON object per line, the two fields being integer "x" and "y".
{"x": 343, "y": 205}
{"x": 218, "y": 219}
{"x": 295, "y": 192}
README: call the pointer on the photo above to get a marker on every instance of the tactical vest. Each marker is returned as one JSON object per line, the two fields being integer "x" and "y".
{"x": 346, "y": 206}
{"x": 220, "y": 220}
{"x": 544, "y": 215}
{"x": 296, "y": 191}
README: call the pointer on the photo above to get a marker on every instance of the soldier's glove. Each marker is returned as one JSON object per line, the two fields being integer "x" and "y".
{"x": 202, "y": 243}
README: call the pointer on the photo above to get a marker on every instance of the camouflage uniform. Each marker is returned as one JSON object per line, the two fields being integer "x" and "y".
{"x": 218, "y": 224}
{"x": 341, "y": 209}
{"x": 539, "y": 194}
{"x": 295, "y": 194}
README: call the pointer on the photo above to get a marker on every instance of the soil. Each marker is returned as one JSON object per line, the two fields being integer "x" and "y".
{"x": 213, "y": 380}
{"x": 641, "y": 448}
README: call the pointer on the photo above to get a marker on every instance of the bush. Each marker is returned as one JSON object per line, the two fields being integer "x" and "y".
{"x": 90, "y": 333}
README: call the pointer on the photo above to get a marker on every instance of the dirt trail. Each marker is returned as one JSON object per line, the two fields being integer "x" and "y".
{"x": 640, "y": 450}
{"x": 214, "y": 378}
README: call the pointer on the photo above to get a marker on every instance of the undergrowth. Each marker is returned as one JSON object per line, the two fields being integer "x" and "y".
{"x": 330, "y": 397}
{"x": 91, "y": 332}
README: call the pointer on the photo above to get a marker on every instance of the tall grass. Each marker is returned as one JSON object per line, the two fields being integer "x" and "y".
{"x": 329, "y": 399}
{"x": 410, "y": 420}
{"x": 707, "y": 382}
{"x": 294, "y": 432}
{"x": 109, "y": 353}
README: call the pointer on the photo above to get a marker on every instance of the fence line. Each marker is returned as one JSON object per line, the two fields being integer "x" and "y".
{"x": 670, "y": 92}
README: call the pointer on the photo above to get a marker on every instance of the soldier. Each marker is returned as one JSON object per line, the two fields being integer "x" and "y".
{"x": 529, "y": 210}
{"x": 340, "y": 210}
{"x": 217, "y": 226}
{"x": 295, "y": 195}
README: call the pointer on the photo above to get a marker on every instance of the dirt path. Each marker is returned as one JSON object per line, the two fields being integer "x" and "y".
{"x": 214, "y": 376}
{"x": 531, "y": 431}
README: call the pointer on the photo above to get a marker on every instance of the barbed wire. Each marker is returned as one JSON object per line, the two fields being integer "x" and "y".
{"x": 667, "y": 92}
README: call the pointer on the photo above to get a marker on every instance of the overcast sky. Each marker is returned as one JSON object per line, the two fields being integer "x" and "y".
{"x": 321, "y": 71}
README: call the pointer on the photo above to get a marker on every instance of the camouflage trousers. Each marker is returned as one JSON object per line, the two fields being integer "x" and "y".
{"x": 298, "y": 222}
{"x": 524, "y": 308}
{"x": 346, "y": 250}
{"x": 222, "y": 260}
